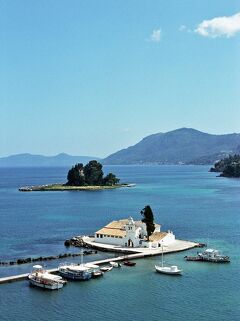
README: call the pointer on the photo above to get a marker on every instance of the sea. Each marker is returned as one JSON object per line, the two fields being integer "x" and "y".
{"x": 189, "y": 200}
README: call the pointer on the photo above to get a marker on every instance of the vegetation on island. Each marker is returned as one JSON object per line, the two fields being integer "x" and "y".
{"x": 90, "y": 175}
{"x": 229, "y": 166}
{"x": 82, "y": 178}
{"x": 148, "y": 219}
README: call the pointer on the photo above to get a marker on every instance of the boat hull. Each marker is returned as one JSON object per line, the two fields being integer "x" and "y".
{"x": 167, "y": 270}
{"x": 106, "y": 268}
{"x": 76, "y": 276}
{"x": 97, "y": 274}
{"x": 202, "y": 259}
{"x": 54, "y": 286}
{"x": 128, "y": 263}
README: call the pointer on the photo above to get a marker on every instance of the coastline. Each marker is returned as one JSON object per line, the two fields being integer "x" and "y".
{"x": 62, "y": 187}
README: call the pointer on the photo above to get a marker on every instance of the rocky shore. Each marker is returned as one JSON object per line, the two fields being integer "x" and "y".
{"x": 63, "y": 187}
{"x": 46, "y": 258}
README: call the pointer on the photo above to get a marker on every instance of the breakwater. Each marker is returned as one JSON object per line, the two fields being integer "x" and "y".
{"x": 46, "y": 258}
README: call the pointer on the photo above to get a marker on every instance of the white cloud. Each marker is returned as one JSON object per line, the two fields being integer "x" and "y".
{"x": 156, "y": 35}
{"x": 182, "y": 28}
{"x": 219, "y": 27}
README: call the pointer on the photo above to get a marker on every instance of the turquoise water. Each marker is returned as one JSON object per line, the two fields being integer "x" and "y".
{"x": 192, "y": 202}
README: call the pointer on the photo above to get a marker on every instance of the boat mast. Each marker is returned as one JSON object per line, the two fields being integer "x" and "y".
{"x": 81, "y": 257}
{"x": 162, "y": 255}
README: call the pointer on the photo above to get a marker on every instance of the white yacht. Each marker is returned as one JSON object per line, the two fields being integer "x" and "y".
{"x": 41, "y": 278}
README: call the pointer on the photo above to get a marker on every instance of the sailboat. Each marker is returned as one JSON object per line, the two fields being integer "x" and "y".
{"x": 171, "y": 270}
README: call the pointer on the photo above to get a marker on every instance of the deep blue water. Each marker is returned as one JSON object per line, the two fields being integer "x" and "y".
{"x": 189, "y": 200}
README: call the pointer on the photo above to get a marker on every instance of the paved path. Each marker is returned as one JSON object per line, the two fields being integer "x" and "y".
{"x": 177, "y": 246}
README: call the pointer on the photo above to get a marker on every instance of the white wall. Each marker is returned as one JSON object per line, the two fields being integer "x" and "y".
{"x": 110, "y": 240}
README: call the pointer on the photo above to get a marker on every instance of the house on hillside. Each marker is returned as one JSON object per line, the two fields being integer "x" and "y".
{"x": 130, "y": 233}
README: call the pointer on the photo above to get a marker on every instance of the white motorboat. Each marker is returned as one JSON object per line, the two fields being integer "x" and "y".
{"x": 115, "y": 264}
{"x": 41, "y": 278}
{"x": 75, "y": 271}
{"x": 209, "y": 255}
{"x": 106, "y": 268}
{"x": 171, "y": 270}
{"x": 95, "y": 270}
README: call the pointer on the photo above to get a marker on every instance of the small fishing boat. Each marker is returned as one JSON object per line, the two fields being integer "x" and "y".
{"x": 115, "y": 264}
{"x": 106, "y": 268}
{"x": 95, "y": 270}
{"x": 41, "y": 278}
{"x": 129, "y": 263}
{"x": 97, "y": 274}
{"x": 171, "y": 270}
{"x": 210, "y": 255}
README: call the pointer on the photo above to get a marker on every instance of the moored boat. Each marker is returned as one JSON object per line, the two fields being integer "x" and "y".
{"x": 106, "y": 268}
{"x": 129, "y": 263}
{"x": 95, "y": 270}
{"x": 172, "y": 270}
{"x": 75, "y": 272}
{"x": 97, "y": 274}
{"x": 115, "y": 264}
{"x": 210, "y": 255}
{"x": 41, "y": 278}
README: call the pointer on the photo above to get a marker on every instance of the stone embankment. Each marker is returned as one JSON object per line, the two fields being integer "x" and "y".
{"x": 46, "y": 258}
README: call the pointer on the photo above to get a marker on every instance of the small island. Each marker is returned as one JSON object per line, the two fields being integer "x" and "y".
{"x": 81, "y": 178}
{"x": 228, "y": 167}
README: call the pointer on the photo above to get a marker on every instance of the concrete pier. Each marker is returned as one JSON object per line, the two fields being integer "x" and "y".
{"x": 133, "y": 253}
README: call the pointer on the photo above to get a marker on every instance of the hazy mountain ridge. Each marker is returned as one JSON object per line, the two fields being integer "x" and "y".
{"x": 30, "y": 160}
{"x": 180, "y": 146}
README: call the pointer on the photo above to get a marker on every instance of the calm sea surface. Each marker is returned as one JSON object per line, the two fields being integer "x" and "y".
{"x": 189, "y": 200}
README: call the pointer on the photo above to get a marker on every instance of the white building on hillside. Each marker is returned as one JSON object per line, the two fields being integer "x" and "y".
{"x": 130, "y": 233}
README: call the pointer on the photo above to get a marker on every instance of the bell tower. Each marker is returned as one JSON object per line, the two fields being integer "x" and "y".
{"x": 130, "y": 232}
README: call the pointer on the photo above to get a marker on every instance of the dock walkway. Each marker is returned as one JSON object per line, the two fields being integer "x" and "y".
{"x": 137, "y": 253}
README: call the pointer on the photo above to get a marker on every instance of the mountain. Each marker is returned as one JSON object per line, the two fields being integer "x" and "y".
{"x": 180, "y": 146}
{"x": 29, "y": 160}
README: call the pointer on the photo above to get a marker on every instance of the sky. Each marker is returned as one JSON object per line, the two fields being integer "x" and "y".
{"x": 90, "y": 77}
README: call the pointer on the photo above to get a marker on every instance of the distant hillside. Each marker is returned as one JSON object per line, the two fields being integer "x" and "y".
{"x": 185, "y": 145}
{"x": 29, "y": 160}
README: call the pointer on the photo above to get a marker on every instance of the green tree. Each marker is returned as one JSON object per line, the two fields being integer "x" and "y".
{"x": 148, "y": 219}
{"x": 93, "y": 173}
{"x": 75, "y": 175}
{"x": 110, "y": 179}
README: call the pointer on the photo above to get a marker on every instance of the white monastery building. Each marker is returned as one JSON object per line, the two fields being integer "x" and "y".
{"x": 130, "y": 233}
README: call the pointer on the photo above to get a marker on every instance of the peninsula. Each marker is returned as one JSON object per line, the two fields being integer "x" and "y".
{"x": 81, "y": 178}
{"x": 228, "y": 167}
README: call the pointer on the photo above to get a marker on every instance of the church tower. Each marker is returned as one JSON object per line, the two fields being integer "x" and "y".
{"x": 130, "y": 232}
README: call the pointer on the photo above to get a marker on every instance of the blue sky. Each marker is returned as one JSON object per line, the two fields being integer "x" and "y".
{"x": 92, "y": 77}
